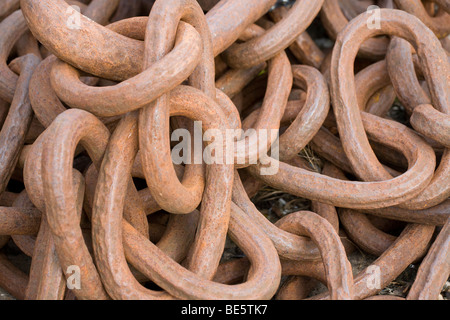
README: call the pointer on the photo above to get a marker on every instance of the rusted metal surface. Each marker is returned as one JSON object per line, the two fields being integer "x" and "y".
{"x": 348, "y": 118}
{"x": 89, "y": 188}
{"x": 439, "y": 24}
{"x": 335, "y": 21}
{"x": 434, "y": 270}
{"x": 337, "y": 267}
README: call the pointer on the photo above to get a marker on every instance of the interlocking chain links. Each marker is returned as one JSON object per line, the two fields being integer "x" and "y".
{"x": 289, "y": 246}
{"x": 45, "y": 102}
{"x": 12, "y": 138}
{"x": 154, "y": 119}
{"x": 64, "y": 228}
{"x": 279, "y": 83}
{"x": 407, "y": 86}
{"x": 308, "y": 121}
{"x": 155, "y": 70}
{"x": 335, "y": 21}
{"x": 125, "y": 54}
{"x": 367, "y": 82}
{"x": 434, "y": 270}
{"x": 276, "y": 39}
{"x": 71, "y": 90}
{"x": 47, "y": 279}
{"x": 356, "y": 195}
{"x": 57, "y": 149}
{"x": 12, "y": 28}
{"x": 436, "y": 215}
{"x": 178, "y": 235}
{"x": 393, "y": 261}
{"x": 229, "y": 20}
{"x": 411, "y": 137}
{"x": 263, "y": 279}
{"x": 432, "y": 123}
{"x": 154, "y": 138}
{"x": 425, "y": 119}
{"x": 358, "y": 226}
{"x": 337, "y": 267}
{"x": 348, "y": 117}
{"x": 173, "y": 69}
{"x": 366, "y": 235}
{"x": 12, "y": 279}
{"x": 412, "y": 96}
{"x": 304, "y": 48}
{"x": 439, "y": 24}
{"x": 331, "y": 149}
{"x": 118, "y": 279}
{"x": 18, "y": 120}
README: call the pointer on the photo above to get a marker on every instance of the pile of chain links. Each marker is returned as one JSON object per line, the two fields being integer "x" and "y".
{"x": 88, "y": 103}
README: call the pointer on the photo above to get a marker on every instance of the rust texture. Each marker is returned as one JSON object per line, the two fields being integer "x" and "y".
{"x": 93, "y": 92}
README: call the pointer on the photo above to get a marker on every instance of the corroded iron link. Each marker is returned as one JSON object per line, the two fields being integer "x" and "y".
{"x": 141, "y": 139}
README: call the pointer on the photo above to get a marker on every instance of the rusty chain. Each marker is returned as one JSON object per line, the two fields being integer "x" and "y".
{"x": 92, "y": 94}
